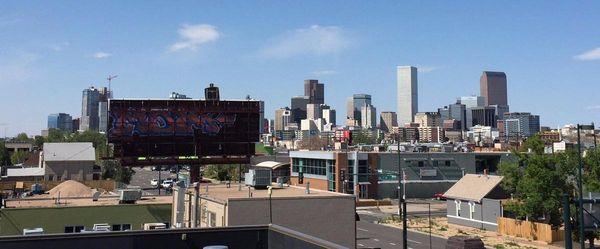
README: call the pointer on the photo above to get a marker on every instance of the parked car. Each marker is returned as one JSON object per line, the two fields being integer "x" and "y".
{"x": 439, "y": 197}
{"x": 155, "y": 168}
{"x": 167, "y": 183}
{"x": 154, "y": 183}
{"x": 173, "y": 169}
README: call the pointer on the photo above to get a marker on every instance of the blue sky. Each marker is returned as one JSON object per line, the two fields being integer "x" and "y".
{"x": 50, "y": 52}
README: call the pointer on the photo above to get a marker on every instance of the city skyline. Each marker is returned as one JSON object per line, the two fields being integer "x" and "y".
{"x": 194, "y": 44}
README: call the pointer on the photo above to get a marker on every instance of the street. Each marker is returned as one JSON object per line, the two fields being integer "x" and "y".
{"x": 372, "y": 235}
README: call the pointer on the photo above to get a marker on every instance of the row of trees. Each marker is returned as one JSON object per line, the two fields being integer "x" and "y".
{"x": 538, "y": 181}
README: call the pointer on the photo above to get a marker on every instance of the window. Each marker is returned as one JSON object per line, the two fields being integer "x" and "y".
{"x": 421, "y": 163}
{"x": 447, "y": 163}
{"x": 471, "y": 209}
{"x": 74, "y": 229}
{"x": 121, "y": 227}
{"x": 457, "y": 204}
{"x": 212, "y": 219}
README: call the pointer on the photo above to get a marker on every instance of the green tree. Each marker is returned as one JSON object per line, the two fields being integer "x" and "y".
{"x": 39, "y": 141}
{"x": 4, "y": 156}
{"x": 112, "y": 169}
{"x": 19, "y": 156}
{"x": 535, "y": 144}
{"x": 22, "y": 137}
{"x": 538, "y": 182}
{"x": 591, "y": 178}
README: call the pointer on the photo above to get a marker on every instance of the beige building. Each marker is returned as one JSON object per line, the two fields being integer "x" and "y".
{"x": 431, "y": 134}
{"x": 428, "y": 119}
{"x": 68, "y": 161}
{"x": 388, "y": 120}
{"x": 321, "y": 214}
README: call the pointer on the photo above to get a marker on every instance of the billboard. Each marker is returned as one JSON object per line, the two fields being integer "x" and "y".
{"x": 182, "y": 127}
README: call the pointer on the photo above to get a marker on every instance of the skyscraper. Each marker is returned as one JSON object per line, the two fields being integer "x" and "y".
{"x": 94, "y": 109}
{"x": 315, "y": 91}
{"x": 522, "y": 124}
{"x": 283, "y": 116}
{"x": 299, "y": 108}
{"x": 89, "y": 109}
{"x": 60, "y": 121}
{"x": 408, "y": 94}
{"x": 472, "y": 101}
{"x": 368, "y": 118}
{"x": 355, "y": 105}
{"x": 328, "y": 114}
{"x": 313, "y": 111}
{"x": 484, "y": 116}
{"x": 493, "y": 88}
{"x": 388, "y": 120}
{"x": 428, "y": 119}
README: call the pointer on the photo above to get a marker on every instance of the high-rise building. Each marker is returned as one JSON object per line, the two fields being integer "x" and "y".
{"x": 500, "y": 110}
{"x": 472, "y": 101}
{"x": 455, "y": 112}
{"x": 354, "y": 106}
{"x": 299, "y": 107}
{"x": 388, "y": 120}
{"x": 408, "y": 94}
{"x": 329, "y": 115}
{"x": 104, "y": 95}
{"x": 89, "y": 109}
{"x": 483, "y": 116}
{"x": 521, "y": 124}
{"x": 60, "y": 121}
{"x": 428, "y": 119}
{"x": 493, "y": 88}
{"x": 368, "y": 118}
{"x": 313, "y": 111}
{"x": 315, "y": 91}
{"x": 283, "y": 117}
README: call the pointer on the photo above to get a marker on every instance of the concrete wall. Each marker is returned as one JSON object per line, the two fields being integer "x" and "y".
{"x": 484, "y": 216}
{"x": 321, "y": 217}
{"x": 216, "y": 208}
{"x": 69, "y": 170}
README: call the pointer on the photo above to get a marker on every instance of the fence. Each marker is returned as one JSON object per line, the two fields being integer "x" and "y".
{"x": 108, "y": 185}
{"x": 529, "y": 230}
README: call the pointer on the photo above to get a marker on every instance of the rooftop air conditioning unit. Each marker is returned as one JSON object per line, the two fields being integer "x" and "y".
{"x": 129, "y": 196}
{"x": 258, "y": 178}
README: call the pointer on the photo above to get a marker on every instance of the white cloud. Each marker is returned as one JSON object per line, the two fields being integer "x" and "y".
{"x": 594, "y": 107}
{"x": 324, "y": 72}
{"x": 593, "y": 54}
{"x": 315, "y": 40}
{"x": 425, "y": 69}
{"x": 192, "y": 36}
{"x": 101, "y": 55}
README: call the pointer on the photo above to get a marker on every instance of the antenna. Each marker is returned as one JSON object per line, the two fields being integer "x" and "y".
{"x": 110, "y": 78}
{"x": 5, "y": 127}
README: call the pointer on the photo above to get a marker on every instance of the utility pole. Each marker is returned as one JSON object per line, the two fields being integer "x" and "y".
{"x": 580, "y": 189}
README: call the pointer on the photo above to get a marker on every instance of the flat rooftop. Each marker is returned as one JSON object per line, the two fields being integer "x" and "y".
{"x": 80, "y": 201}
{"x": 220, "y": 192}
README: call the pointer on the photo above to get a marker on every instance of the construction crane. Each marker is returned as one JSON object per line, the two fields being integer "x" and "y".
{"x": 110, "y": 78}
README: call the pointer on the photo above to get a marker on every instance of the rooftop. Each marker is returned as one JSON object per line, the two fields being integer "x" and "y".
{"x": 220, "y": 193}
{"x": 473, "y": 187}
{"x": 69, "y": 152}
{"x": 40, "y": 201}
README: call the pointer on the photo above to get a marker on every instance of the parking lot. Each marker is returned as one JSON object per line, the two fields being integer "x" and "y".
{"x": 143, "y": 176}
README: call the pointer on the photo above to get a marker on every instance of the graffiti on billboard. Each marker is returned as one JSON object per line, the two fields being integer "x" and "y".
{"x": 157, "y": 123}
